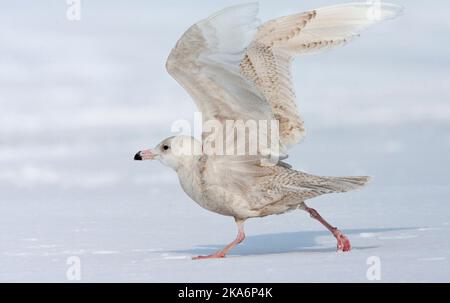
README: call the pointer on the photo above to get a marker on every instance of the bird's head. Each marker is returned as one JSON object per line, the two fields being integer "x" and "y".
{"x": 173, "y": 151}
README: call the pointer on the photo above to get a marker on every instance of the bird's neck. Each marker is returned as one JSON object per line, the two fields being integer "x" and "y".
{"x": 187, "y": 163}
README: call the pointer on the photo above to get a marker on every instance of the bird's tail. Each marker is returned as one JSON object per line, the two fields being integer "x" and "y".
{"x": 345, "y": 184}
{"x": 313, "y": 186}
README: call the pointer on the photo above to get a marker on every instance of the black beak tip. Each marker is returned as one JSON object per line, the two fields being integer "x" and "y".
{"x": 138, "y": 157}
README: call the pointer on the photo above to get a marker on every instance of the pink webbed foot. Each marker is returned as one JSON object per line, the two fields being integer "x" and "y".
{"x": 343, "y": 243}
{"x": 221, "y": 254}
{"x": 214, "y": 256}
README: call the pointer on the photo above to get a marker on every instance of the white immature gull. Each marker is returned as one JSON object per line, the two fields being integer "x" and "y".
{"x": 237, "y": 69}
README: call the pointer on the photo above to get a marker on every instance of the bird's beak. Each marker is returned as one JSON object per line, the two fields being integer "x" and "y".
{"x": 148, "y": 154}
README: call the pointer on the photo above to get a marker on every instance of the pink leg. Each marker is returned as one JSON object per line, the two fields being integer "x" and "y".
{"x": 221, "y": 254}
{"x": 343, "y": 242}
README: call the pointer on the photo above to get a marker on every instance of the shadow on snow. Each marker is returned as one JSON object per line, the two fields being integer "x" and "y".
{"x": 304, "y": 241}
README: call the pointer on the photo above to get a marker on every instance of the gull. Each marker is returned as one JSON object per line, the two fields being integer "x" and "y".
{"x": 236, "y": 68}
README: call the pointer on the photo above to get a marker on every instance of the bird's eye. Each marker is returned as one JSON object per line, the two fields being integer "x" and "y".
{"x": 166, "y": 147}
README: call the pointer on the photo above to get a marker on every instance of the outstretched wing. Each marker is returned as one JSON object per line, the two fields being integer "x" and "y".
{"x": 206, "y": 62}
{"x": 267, "y": 62}
{"x": 236, "y": 69}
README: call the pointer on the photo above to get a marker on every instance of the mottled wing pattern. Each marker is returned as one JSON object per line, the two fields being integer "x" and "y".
{"x": 267, "y": 61}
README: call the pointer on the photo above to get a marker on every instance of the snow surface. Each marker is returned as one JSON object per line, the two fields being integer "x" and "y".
{"x": 77, "y": 100}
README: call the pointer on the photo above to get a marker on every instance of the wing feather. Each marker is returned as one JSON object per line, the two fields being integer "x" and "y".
{"x": 205, "y": 62}
{"x": 267, "y": 62}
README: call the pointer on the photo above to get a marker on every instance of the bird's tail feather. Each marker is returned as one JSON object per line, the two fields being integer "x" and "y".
{"x": 345, "y": 184}
{"x": 311, "y": 186}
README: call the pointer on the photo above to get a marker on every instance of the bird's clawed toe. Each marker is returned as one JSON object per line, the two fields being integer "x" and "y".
{"x": 343, "y": 244}
{"x": 214, "y": 256}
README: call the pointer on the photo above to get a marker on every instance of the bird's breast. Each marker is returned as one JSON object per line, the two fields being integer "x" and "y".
{"x": 190, "y": 183}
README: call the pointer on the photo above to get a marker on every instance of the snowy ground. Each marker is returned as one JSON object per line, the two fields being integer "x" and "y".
{"x": 77, "y": 100}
